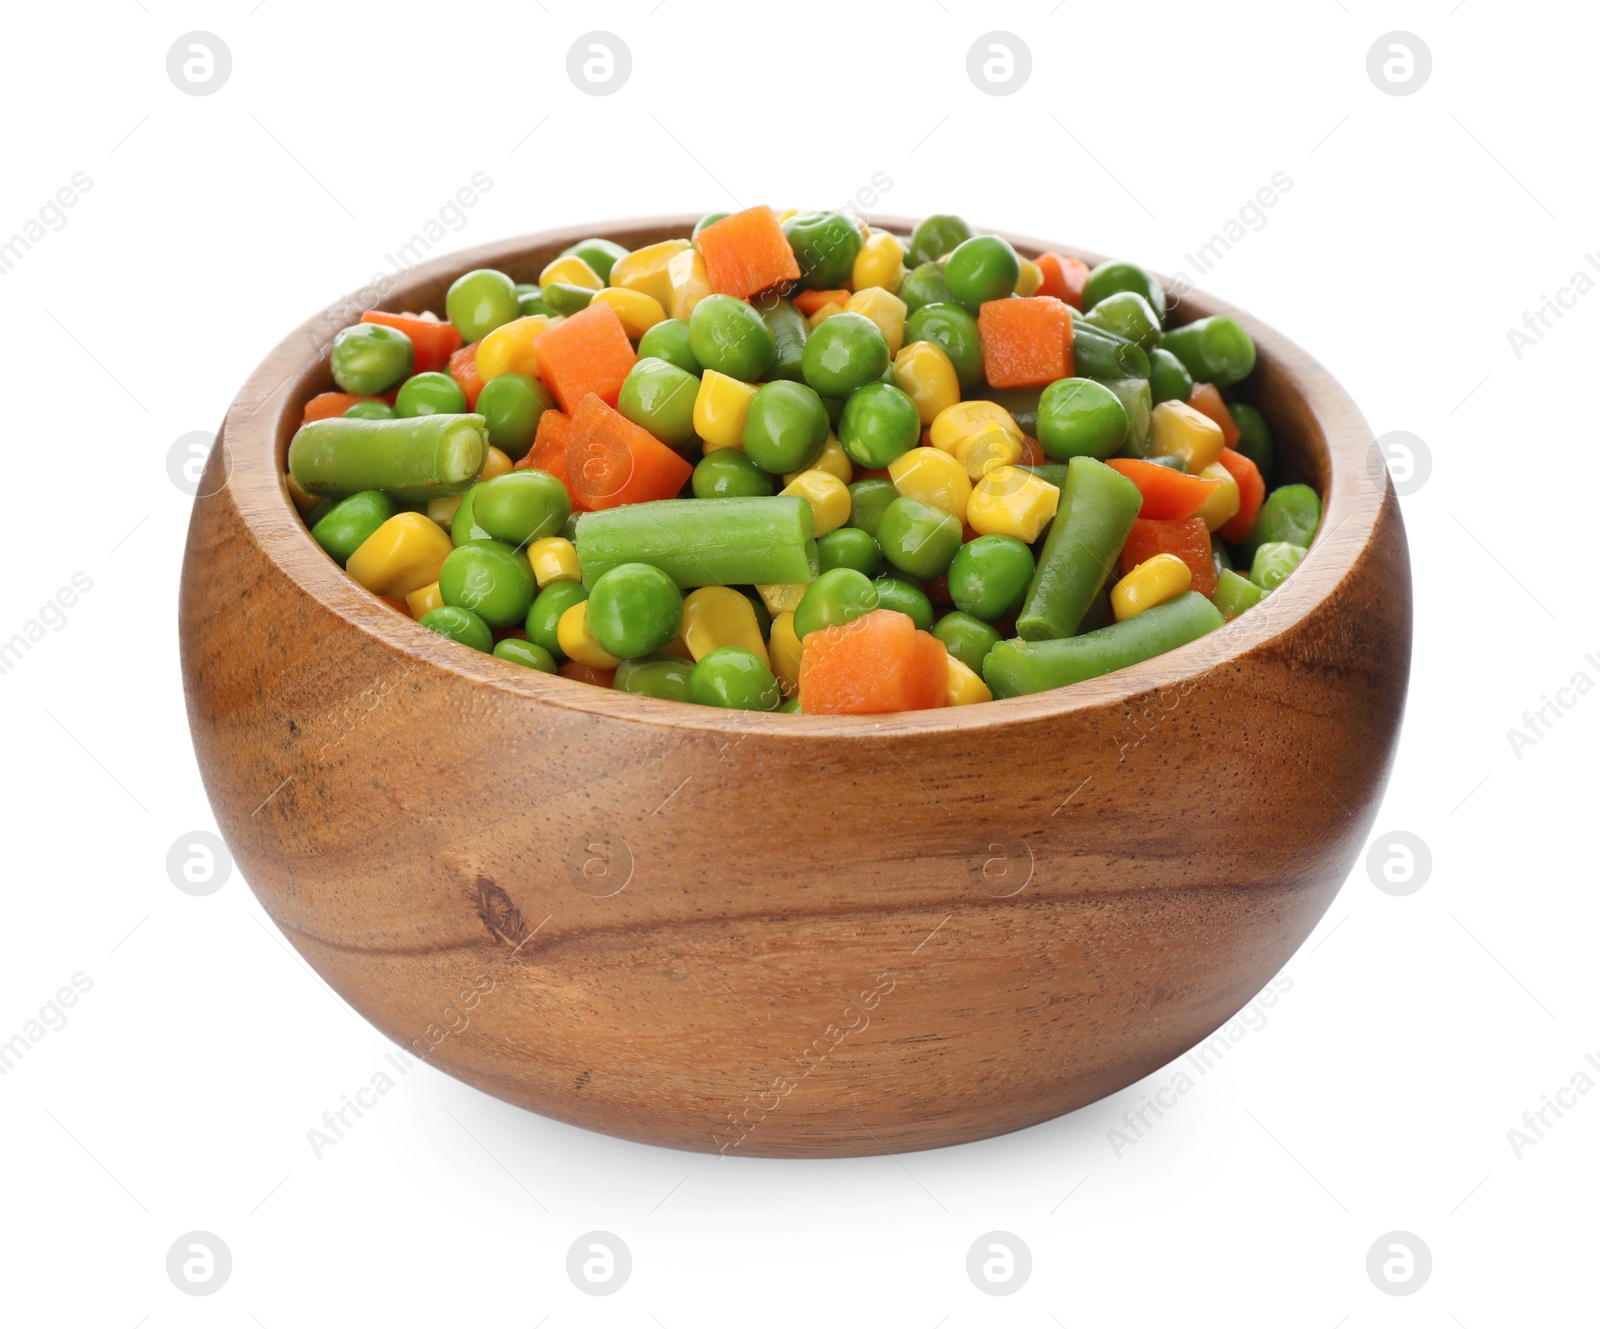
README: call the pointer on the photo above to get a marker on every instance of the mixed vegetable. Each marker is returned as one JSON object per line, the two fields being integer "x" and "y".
{"x": 795, "y": 462}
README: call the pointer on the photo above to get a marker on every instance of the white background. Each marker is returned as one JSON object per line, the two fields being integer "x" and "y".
{"x": 1417, "y": 1030}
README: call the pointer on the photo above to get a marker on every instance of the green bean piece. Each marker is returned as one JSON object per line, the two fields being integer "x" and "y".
{"x": 1100, "y": 353}
{"x": 346, "y": 525}
{"x": 426, "y": 457}
{"x": 1273, "y": 562}
{"x": 1235, "y": 594}
{"x": 1129, "y": 315}
{"x": 1134, "y": 394}
{"x": 704, "y": 541}
{"x": 1290, "y": 515}
{"x": 789, "y": 331}
{"x": 1215, "y": 350}
{"x": 1096, "y": 512}
{"x": 1169, "y": 380}
{"x": 1255, "y": 438}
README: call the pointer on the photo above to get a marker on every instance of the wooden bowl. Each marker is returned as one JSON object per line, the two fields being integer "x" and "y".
{"x": 774, "y": 934}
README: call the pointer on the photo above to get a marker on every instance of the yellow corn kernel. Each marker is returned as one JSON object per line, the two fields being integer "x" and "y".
{"x": 1223, "y": 504}
{"x": 786, "y": 214}
{"x": 719, "y": 410}
{"x": 686, "y": 275}
{"x": 401, "y": 556}
{"x": 884, "y": 308}
{"x": 1012, "y": 501}
{"x": 1029, "y": 278}
{"x": 881, "y": 262}
{"x": 716, "y": 616}
{"x": 495, "y": 463}
{"x": 509, "y": 348}
{"x": 924, "y": 373}
{"x": 645, "y": 270}
{"x": 783, "y": 597}
{"x": 785, "y": 652}
{"x": 637, "y": 311}
{"x": 934, "y": 477}
{"x": 578, "y": 643}
{"x": 1153, "y": 582}
{"x": 553, "y": 559}
{"x": 967, "y": 418}
{"x": 303, "y": 501}
{"x": 980, "y": 453}
{"x": 425, "y": 600}
{"x": 829, "y": 499}
{"x": 962, "y": 686}
{"x": 1178, "y": 430}
{"x": 834, "y": 460}
{"x": 443, "y": 510}
{"x": 572, "y": 270}
{"x": 824, "y": 313}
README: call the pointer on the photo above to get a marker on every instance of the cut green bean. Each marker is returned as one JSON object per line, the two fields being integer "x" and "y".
{"x": 421, "y": 458}
{"x": 1096, "y": 512}
{"x": 1215, "y": 350}
{"x": 1235, "y": 594}
{"x": 704, "y": 541}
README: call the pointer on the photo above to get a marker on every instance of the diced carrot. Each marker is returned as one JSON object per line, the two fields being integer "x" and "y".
{"x": 1169, "y": 495}
{"x": 549, "y": 450}
{"x": 1063, "y": 278}
{"x": 1188, "y": 539}
{"x": 1032, "y": 453}
{"x": 394, "y": 603}
{"x": 1205, "y": 398}
{"x": 582, "y": 673}
{"x": 868, "y": 473}
{"x": 877, "y": 663}
{"x": 1027, "y": 343}
{"x": 1252, "y": 493}
{"x": 464, "y": 369}
{"x": 432, "y": 341}
{"x": 588, "y": 352}
{"x": 326, "y": 405}
{"x": 612, "y": 461}
{"x": 808, "y": 302}
{"x": 747, "y": 252}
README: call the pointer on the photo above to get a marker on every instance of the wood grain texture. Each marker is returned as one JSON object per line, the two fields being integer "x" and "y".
{"x": 785, "y": 935}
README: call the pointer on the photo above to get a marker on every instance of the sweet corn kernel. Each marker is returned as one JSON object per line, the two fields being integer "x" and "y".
{"x": 967, "y": 418}
{"x": 785, "y": 653}
{"x": 934, "y": 477}
{"x": 401, "y": 556}
{"x": 1178, "y": 430}
{"x": 786, "y": 214}
{"x": 553, "y": 559}
{"x": 716, "y": 616}
{"x": 686, "y": 275}
{"x": 881, "y": 262}
{"x": 962, "y": 686}
{"x": 719, "y": 410}
{"x": 829, "y": 499}
{"x": 884, "y": 308}
{"x": 509, "y": 348}
{"x": 495, "y": 463}
{"x": 645, "y": 270}
{"x": 980, "y": 453}
{"x": 443, "y": 510}
{"x": 783, "y": 597}
{"x": 1012, "y": 501}
{"x": 578, "y": 643}
{"x": 834, "y": 460}
{"x": 924, "y": 373}
{"x": 1223, "y": 504}
{"x": 425, "y": 600}
{"x": 572, "y": 270}
{"x": 1153, "y": 582}
{"x": 1029, "y": 278}
{"x": 824, "y": 313}
{"x": 637, "y": 311}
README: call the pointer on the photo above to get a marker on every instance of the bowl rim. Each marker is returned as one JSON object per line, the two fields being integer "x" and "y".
{"x": 256, "y": 422}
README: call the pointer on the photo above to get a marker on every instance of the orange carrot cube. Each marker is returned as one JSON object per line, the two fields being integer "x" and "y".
{"x": 588, "y": 352}
{"x": 873, "y": 665}
{"x": 1027, "y": 343}
{"x": 747, "y": 252}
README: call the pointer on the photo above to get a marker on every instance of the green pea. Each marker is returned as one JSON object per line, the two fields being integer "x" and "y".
{"x": 511, "y": 405}
{"x": 663, "y": 676}
{"x": 521, "y": 506}
{"x": 460, "y": 625}
{"x": 1109, "y": 278}
{"x": 967, "y": 638}
{"x": 918, "y": 538}
{"x": 904, "y": 598}
{"x": 1235, "y": 594}
{"x": 478, "y": 302}
{"x": 868, "y": 499}
{"x": 924, "y": 285}
{"x": 1134, "y": 394}
{"x": 369, "y": 358}
{"x": 989, "y": 576}
{"x": 785, "y": 428}
{"x": 849, "y": 547}
{"x": 1129, "y": 315}
{"x": 935, "y": 237}
{"x": 845, "y": 352}
{"x": 1255, "y": 438}
{"x": 1079, "y": 417}
{"x": 527, "y": 653}
{"x": 711, "y": 218}
{"x": 530, "y": 300}
{"x": 729, "y": 336}
{"x": 634, "y": 609}
{"x": 464, "y": 526}
{"x": 1215, "y": 350}
{"x": 371, "y": 410}
{"x": 840, "y": 595}
{"x": 981, "y": 269}
{"x": 565, "y": 297}
{"x": 880, "y": 423}
{"x": 1169, "y": 380}
{"x": 825, "y": 246}
{"x": 1290, "y": 515}
{"x": 1273, "y": 562}
{"x": 733, "y": 677}
{"x": 660, "y": 397}
{"x": 433, "y": 393}
{"x": 728, "y": 473}
{"x": 669, "y": 340}
{"x": 490, "y": 578}
{"x": 347, "y": 524}
{"x": 600, "y": 255}
{"x": 951, "y": 328}
{"x": 790, "y": 707}
{"x": 548, "y": 606}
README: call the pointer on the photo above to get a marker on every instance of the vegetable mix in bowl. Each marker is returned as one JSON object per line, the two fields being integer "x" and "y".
{"x": 793, "y": 462}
